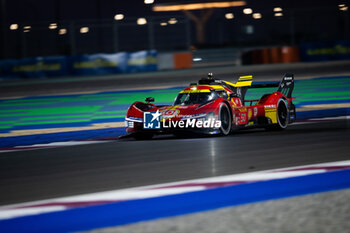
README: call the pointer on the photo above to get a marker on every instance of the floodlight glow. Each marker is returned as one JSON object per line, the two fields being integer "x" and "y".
{"x": 198, "y": 6}
{"x": 345, "y": 8}
{"x": 119, "y": 17}
{"x": 141, "y": 21}
{"x": 278, "y": 14}
{"x": 247, "y": 11}
{"x": 62, "y": 31}
{"x": 26, "y": 30}
{"x": 14, "y": 26}
{"x": 149, "y": 1}
{"x": 84, "y": 30}
{"x": 27, "y": 27}
{"x": 257, "y": 16}
{"x": 341, "y": 5}
{"x": 229, "y": 16}
{"x": 53, "y": 26}
{"x": 163, "y": 24}
{"x": 277, "y": 9}
{"x": 172, "y": 21}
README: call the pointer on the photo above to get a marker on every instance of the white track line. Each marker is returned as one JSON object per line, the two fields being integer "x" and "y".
{"x": 59, "y": 204}
{"x": 53, "y": 145}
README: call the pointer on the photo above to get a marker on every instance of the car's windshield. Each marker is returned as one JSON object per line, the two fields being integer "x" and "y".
{"x": 194, "y": 98}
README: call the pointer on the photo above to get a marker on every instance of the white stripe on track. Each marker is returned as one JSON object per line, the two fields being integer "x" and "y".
{"x": 52, "y": 145}
{"x": 69, "y": 143}
{"x": 59, "y": 204}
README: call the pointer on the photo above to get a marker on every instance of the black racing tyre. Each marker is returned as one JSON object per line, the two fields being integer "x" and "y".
{"x": 143, "y": 136}
{"x": 282, "y": 113}
{"x": 226, "y": 119}
{"x": 282, "y": 116}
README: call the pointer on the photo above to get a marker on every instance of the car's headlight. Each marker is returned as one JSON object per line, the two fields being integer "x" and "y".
{"x": 129, "y": 124}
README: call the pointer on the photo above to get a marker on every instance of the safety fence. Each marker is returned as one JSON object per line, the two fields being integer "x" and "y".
{"x": 325, "y": 51}
{"x": 80, "y": 65}
{"x": 305, "y": 52}
{"x": 152, "y": 60}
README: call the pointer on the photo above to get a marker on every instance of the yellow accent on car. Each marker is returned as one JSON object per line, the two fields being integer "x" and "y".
{"x": 195, "y": 91}
{"x": 243, "y": 84}
{"x": 272, "y": 109}
{"x": 231, "y": 84}
{"x": 245, "y": 78}
{"x": 215, "y": 86}
{"x": 272, "y": 114}
{"x": 171, "y": 107}
{"x": 243, "y": 81}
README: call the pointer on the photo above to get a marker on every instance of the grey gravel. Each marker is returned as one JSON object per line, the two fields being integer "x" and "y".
{"x": 324, "y": 212}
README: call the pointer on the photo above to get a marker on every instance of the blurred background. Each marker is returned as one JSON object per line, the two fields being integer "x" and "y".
{"x": 68, "y": 76}
{"x": 212, "y": 33}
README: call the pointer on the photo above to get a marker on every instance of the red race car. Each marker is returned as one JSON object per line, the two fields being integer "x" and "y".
{"x": 214, "y": 106}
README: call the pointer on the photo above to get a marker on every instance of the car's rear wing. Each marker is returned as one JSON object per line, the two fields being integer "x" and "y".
{"x": 285, "y": 86}
{"x": 265, "y": 85}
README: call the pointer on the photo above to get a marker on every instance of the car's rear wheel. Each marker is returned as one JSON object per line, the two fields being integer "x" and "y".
{"x": 225, "y": 118}
{"x": 282, "y": 116}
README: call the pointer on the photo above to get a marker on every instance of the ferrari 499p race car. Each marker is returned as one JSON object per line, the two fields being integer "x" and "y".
{"x": 214, "y": 106}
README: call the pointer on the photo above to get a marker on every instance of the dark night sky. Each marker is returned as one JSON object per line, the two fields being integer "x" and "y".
{"x": 312, "y": 21}
{"x": 23, "y": 11}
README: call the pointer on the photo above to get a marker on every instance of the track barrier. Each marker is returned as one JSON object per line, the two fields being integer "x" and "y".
{"x": 79, "y": 65}
{"x": 305, "y": 52}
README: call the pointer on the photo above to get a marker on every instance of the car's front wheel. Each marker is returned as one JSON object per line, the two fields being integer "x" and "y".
{"x": 225, "y": 118}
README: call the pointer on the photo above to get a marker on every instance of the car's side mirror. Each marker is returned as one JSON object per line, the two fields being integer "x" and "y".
{"x": 149, "y": 99}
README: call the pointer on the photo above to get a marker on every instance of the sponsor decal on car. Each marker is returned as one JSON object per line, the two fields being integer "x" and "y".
{"x": 170, "y": 113}
{"x": 241, "y": 119}
{"x": 193, "y": 116}
{"x": 255, "y": 111}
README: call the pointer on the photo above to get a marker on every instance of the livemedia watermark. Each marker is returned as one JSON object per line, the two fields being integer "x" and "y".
{"x": 152, "y": 120}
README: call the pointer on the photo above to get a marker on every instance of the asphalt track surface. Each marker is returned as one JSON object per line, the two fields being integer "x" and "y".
{"x": 57, "y": 172}
{"x": 47, "y": 173}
